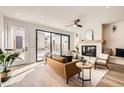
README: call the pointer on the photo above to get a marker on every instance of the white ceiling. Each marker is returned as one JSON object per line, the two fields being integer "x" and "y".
{"x": 59, "y": 16}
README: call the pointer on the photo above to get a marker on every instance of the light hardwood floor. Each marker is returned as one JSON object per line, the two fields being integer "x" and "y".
{"x": 114, "y": 78}
{"x": 48, "y": 78}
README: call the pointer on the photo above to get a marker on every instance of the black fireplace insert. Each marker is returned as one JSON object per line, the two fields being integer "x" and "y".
{"x": 89, "y": 50}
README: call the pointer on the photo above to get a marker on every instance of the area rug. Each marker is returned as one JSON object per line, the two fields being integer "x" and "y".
{"x": 96, "y": 76}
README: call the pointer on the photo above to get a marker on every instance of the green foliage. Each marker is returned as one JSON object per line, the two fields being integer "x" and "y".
{"x": 7, "y": 59}
{"x": 77, "y": 49}
{"x": 1, "y": 52}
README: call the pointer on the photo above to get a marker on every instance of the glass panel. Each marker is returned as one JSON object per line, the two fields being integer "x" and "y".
{"x": 16, "y": 40}
{"x": 65, "y": 44}
{"x": 19, "y": 42}
{"x": 56, "y": 44}
{"x": 48, "y": 42}
{"x": 43, "y": 44}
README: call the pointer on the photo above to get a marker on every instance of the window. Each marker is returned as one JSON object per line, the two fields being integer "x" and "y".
{"x": 65, "y": 44}
{"x": 50, "y": 42}
{"x": 56, "y": 49}
{"x": 19, "y": 42}
{"x": 43, "y": 44}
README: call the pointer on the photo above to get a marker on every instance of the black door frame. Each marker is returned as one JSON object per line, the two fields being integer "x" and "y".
{"x": 37, "y": 30}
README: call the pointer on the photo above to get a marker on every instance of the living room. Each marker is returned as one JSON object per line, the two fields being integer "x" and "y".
{"x": 63, "y": 44}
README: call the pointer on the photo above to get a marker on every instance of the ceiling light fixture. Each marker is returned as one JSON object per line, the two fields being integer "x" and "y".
{"x": 74, "y": 25}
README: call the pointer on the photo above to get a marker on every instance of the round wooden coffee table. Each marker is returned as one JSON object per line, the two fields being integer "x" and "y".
{"x": 87, "y": 65}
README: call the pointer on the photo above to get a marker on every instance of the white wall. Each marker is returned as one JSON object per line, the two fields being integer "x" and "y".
{"x": 1, "y": 31}
{"x": 114, "y": 39}
{"x": 31, "y": 35}
{"x": 97, "y": 29}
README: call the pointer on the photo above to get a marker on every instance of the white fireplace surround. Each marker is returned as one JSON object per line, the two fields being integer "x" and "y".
{"x": 98, "y": 47}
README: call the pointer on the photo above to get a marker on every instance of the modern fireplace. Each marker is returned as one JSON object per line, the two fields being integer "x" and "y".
{"x": 89, "y": 50}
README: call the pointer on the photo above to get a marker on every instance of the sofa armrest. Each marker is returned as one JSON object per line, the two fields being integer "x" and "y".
{"x": 70, "y": 69}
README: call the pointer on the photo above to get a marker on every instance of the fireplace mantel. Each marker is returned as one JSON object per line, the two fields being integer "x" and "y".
{"x": 97, "y": 43}
{"x": 91, "y": 41}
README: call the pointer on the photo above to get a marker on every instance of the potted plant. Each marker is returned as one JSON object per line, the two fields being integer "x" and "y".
{"x": 76, "y": 51}
{"x": 83, "y": 60}
{"x": 6, "y": 60}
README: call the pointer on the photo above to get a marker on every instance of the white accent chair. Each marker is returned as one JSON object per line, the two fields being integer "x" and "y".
{"x": 102, "y": 60}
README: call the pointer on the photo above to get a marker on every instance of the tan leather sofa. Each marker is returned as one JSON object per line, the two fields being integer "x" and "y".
{"x": 62, "y": 67}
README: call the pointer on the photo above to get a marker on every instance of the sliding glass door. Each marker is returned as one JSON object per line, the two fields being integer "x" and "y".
{"x": 50, "y": 42}
{"x": 65, "y": 44}
{"x": 43, "y": 44}
{"x": 56, "y": 49}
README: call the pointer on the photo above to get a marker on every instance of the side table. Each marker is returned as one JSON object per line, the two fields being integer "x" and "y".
{"x": 82, "y": 67}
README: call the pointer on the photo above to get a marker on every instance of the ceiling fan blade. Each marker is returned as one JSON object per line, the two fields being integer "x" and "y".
{"x": 79, "y": 25}
{"x": 69, "y": 25}
{"x": 75, "y": 24}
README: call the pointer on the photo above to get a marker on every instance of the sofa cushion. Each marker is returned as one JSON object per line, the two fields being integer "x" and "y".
{"x": 100, "y": 61}
{"x": 69, "y": 58}
{"x": 59, "y": 58}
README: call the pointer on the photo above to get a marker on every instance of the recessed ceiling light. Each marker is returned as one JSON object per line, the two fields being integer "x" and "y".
{"x": 107, "y": 7}
{"x": 17, "y": 14}
{"x": 42, "y": 21}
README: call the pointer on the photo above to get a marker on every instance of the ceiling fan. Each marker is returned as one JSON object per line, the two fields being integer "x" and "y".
{"x": 75, "y": 24}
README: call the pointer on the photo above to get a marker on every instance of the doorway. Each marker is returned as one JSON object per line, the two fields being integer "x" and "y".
{"x": 16, "y": 38}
